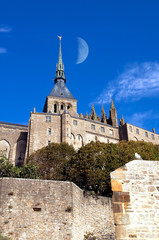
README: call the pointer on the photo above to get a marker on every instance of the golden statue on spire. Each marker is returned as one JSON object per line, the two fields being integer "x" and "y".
{"x": 59, "y": 37}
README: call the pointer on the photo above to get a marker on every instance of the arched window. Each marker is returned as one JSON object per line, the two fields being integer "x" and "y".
{"x": 4, "y": 148}
{"x": 79, "y": 141}
{"x": 69, "y": 106}
{"x": 20, "y": 152}
{"x": 135, "y": 139}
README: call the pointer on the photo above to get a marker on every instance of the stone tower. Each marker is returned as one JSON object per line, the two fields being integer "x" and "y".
{"x": 60, "y": 98}
{"x": 113, "y": 115}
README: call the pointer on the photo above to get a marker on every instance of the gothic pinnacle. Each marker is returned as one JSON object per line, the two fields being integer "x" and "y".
{"x": 112, "y": 103}
{"x": 103, "y": 116}
{"x": 93, "y": 113}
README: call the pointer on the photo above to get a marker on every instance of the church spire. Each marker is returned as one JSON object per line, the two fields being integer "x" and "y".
{"x": 60, "y": 74}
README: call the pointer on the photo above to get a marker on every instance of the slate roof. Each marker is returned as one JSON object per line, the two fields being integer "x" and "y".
{"x": 60, "y": 90}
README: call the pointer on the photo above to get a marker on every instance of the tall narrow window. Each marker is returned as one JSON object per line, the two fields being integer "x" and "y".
{"x": 146, "y": 134}
{"x": 55, "y": 108}
{"x": 61, "y": 106}
{"x": 153, "y": 137}
{"x": 49, "y": 131}
{"x": 130, "y": 128}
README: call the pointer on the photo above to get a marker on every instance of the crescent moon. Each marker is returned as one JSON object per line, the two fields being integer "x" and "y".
{"x": 83, "y": 50}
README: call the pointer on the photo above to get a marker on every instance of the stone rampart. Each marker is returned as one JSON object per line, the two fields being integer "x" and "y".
{"x": 136, "y": 200}
{"x": 52, "y": 210}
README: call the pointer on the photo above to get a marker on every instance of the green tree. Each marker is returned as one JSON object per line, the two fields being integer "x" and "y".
{"x": 52, "y": 160}
{"x": 91, "y": 166}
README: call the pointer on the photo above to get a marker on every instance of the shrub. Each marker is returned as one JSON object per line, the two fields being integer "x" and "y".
{"x": 8, "y": 170}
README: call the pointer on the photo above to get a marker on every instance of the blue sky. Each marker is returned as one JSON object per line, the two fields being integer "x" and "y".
{"x": 123, "y": 60}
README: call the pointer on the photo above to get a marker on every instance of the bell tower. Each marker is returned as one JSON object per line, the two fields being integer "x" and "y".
{"x": 60, "y": 98}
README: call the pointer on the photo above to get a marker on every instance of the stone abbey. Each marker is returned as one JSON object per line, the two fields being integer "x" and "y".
{"x": 60, "y": 122}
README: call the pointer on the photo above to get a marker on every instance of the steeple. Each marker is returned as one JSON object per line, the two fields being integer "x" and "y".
{"x": 60, "y": 100}
{"x": 60, "y": 74}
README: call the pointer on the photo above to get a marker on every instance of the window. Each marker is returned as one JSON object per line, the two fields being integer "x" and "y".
{"x": 110, "y": 131}
{"x": 93, "y": 127}
{"x": 153, "y": 137}
{"x": 48, "y": 118}
{"x": 49, "y": 142}
{"x": 79, "y": 137}
{"x": 68, "y": 107}
{"x": 137, "y": 130}
{"x": 75, "y": 122}
{"x": 102, "y": 129}
{"x": 146, "y": 134}
{"x": 49, "y": 131}
{"x": 55, "y": 108}
{"x": 61, "y": 107}
{"x": 130, "y": 128}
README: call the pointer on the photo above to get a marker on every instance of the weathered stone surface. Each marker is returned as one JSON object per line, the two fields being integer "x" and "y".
{"x": 136, "y": 206}
{"x": 13, "y": 141}
{"x": 52, "y": 210}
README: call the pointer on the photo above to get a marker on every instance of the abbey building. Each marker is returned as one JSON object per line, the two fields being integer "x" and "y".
{"x": 60, "y": 122}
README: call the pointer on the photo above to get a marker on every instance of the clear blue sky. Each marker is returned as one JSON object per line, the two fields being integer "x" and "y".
{"x": 123, "y": 60}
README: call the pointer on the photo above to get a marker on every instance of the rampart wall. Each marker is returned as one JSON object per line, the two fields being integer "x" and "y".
{"x": 136, "y": 200}
{"x": 52, "y": 210}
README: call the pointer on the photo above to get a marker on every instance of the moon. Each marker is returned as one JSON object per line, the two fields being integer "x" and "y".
{"x": 83, "y": 50}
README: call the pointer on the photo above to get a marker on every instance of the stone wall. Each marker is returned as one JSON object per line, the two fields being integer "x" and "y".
{"x": 75, "y": 131}
{"x": 13, "y": 141}
{"x": 130, "y": 132}
{"x": 136, "y": 200}
{"x": 38, "y": 134}
{"x": 52, "y": 210}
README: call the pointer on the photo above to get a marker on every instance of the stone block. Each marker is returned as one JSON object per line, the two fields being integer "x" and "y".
{"x": 116, "y": 185}
{"x": 122, "y": 197}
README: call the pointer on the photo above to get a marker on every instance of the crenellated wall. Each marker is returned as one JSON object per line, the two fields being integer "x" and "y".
{"x": 136, "y": 200}
{"x": 52, "y": 210}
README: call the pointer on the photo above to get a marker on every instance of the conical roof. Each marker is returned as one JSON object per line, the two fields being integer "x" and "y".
{"x": 60, "y": 90}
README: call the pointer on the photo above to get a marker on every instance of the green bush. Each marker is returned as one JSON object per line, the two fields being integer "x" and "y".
{"x": 8, "y": 170}
{"x": 4, "y": 238}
